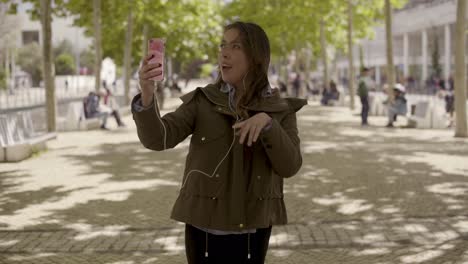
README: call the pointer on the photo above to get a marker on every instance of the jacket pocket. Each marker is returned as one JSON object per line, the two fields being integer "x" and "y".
{"x": 208, "y": 148}
{"x": 204, "y": 184}
{"x": 202, "y": 137}
{"x": 264, "y": 182}
{"x": 267, "y": 186}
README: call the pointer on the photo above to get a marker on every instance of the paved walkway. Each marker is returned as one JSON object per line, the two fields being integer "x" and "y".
{"x": 364, "y": 195}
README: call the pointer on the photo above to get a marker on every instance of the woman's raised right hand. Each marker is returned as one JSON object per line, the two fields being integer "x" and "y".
{"x": 148, "y": 71}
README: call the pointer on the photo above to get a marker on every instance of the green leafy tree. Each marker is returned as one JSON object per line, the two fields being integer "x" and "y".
{"x": 87, "y": 60}
{"x": 64, "y": 47}
{"x": 42, "y": 10}
{"x": 64, "y": 64}
{"x": 313, "y": 24}
{"x": 191, "y": 27}
{"x": 64, "y": 59}
{"x": 30, "y": 61}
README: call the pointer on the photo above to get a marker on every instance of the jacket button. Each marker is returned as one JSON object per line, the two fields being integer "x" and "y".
{"x": 203, "y": 138}
{"x": 258, "y": 177}
{"x": 217, "y": 175}
{"x": 213, "y": 198}
{"x": 241, "y": 225}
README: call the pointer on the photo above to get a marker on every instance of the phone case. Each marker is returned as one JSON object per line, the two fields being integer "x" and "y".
{"x": 156, "y": 47}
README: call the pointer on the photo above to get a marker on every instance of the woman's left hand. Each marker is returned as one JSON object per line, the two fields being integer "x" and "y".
{"x": 252, "y": 127}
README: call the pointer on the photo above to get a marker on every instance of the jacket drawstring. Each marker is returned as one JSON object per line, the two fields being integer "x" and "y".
{"x": 248, "y": 246}
{"x": 206, "y": 244}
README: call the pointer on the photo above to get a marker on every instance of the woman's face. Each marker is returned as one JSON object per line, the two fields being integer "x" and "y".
{"x": 232, "y": 59}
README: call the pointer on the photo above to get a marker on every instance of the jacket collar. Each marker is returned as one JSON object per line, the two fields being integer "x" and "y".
{"x": 270, "y": 103}
{"x": 227, "y": 88}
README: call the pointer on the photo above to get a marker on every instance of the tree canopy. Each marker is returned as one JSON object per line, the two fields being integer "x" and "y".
{"x": 293, "y": 24}
{"x": 192, "y": 28}
{"x": 189, "y": 27}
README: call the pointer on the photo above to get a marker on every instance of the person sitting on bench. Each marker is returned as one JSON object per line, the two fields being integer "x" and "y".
{"x": 398, "y": 106}
{"x": 93, "y": 109}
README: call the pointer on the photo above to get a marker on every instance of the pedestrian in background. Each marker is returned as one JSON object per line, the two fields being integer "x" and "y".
{"x": 363, "y": 92}
{"x": 94, "y": 108}
{"x": 296, "y": 84}
{"x": 449, "y": 98}
{"x": 244, "y": 143}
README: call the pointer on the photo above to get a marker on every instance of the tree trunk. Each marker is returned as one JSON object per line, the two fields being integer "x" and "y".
{"x": 97, "y": 43}
{"x": 323, "y": 43}
{"x": 460, "y": 69}
{"x": 13, "y": 67}
{"x": 145, "y": 40}
{"x": 308, "y": 58}
{"x": 350, "y": 55}
{"x": 7, "y": 69}
{"x": 127, "y": 55}
{"x": 361, "y": 56}
{"x": 389, "y": 44}
{"x": 47, "y": 64}
{"x": 334, "y": 68}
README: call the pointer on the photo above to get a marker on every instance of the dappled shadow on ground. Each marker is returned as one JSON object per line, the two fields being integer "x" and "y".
{"x": 116, "y": 184}
{"x": 369, "y": 177}
{"x": 100, "y": 193}
{"x": 383, "y": 182}
{"x": 363, "y": 195}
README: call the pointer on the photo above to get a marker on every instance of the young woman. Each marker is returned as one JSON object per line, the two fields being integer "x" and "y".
{"x": 244, "y": 143}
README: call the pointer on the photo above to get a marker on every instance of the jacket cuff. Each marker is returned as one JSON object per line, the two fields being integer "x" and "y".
{"x": 137, "y": 105}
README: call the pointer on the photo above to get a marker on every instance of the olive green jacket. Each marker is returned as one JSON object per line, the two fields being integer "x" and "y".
{"x": 217, "y": 191}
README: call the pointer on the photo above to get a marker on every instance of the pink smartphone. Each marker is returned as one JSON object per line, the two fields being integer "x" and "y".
{"x": 156, "y": 47}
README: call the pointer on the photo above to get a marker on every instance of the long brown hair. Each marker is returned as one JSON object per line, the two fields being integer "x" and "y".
{"x": 256, "y": 46}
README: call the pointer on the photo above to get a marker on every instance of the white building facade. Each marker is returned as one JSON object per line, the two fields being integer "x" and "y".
{"x": 421, "y": 30}
{"x": 28, "y": 30}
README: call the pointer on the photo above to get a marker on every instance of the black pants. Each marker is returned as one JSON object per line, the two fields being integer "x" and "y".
{"x": 226, "y": 249}
{"x": 365, "y": 109}
{"x": 116, "y": 115}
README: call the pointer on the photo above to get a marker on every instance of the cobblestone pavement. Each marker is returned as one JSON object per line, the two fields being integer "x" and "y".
{"x": 364, "y": 195}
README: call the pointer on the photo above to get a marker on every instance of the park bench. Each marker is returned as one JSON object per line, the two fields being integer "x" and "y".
{"x": 75, "y": 119}
{"x": 376, "y": 104}
{"x": 341, "y": 98}
{"x": 18, "y": 138}
{"x": 428, "y": 114}
{"x": 439, "y": 117}
{"x": 420, "y": 116}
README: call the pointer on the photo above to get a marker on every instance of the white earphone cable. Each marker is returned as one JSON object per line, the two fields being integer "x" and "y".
{"x": 222, "y": 160}
{"x": 159, "y": 117}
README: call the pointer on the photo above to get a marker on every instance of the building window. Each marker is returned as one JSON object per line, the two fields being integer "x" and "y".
{"x": 30, "y": 37}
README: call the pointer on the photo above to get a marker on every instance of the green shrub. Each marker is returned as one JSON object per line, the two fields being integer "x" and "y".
{"x": 30, "y": 61}
{"x": 2, "y": 79}
{"x": 65, "y": 64}
{"x": 206, "y": 70}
